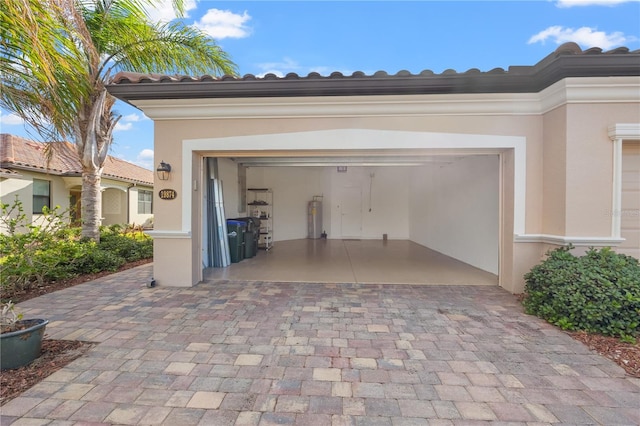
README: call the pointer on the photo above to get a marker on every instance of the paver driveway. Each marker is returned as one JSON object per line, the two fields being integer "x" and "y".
{"x": 252, "y": 353}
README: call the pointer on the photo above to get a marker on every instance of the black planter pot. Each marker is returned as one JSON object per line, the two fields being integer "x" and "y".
{"x": 22, "y": 347}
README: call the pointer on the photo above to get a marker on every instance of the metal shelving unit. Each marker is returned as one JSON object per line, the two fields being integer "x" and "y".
{"x": 260, "y": 205}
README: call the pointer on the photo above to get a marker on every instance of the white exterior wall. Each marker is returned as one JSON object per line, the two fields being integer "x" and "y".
{"x": 136, "y": 218}
{"x": 455, "y": 210}
{"x": 22, "y": 187}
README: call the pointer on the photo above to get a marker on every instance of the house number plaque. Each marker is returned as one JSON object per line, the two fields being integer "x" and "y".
{"x": 167, "y": 194}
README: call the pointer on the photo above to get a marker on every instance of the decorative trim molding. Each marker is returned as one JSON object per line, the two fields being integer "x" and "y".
{"x": 169, "y": 234}
{"x": 625, "y": 131}
{"x": 618, "y": 133}
{"x": 564, "y": 240}
{"x": 360, "y": 139}
{"x": 570, "y": 90}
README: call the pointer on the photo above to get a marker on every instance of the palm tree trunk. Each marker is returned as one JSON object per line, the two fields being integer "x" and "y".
{"x": 91, "y": 203}
{"x": 94, "y": 129}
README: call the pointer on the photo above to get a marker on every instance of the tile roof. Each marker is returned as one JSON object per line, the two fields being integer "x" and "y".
{"x": 24, "y": 154}
{"x": 569, "y": 60}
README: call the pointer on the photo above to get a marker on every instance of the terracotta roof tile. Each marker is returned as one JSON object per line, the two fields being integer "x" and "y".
{"x": 21, "y": 153}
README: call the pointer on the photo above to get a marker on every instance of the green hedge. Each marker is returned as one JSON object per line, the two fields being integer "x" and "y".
{"x": 598, "y": 292}
{"x": 38, "y": 255}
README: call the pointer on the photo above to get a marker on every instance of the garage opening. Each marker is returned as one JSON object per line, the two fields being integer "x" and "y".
{"x": 408, "y": 218}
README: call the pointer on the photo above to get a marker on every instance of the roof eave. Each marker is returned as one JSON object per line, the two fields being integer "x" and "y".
{"x": 519, "y": 79}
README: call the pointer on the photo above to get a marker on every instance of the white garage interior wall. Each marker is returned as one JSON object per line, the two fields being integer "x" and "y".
{"x": 455, "y": 210}
{"x": 228, "y": 174}
{"x": 451, "y": 207}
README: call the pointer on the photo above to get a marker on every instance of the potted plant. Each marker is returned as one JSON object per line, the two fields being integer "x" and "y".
{"x": 20, "y": 339}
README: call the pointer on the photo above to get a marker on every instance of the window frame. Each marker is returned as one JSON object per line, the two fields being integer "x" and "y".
{"x": 145, "y": 202}
{"x": 43, "y": 200}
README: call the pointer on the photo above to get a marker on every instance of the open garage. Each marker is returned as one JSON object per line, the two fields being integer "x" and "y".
{"x": 404, "y": 218}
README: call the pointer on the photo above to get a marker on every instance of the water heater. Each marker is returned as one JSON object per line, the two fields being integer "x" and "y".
{"x": 314, "y": 217}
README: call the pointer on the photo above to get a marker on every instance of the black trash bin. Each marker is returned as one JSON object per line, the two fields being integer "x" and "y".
{"x": 251, "y": 235}
{"x": 236, "y": 230}
{"x": 256, "y": 233}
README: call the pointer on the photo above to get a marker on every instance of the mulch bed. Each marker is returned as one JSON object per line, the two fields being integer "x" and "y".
{"x": 58, "y": 353}
{"x": 55, "y": 355}
{"x": 626, "y": 355}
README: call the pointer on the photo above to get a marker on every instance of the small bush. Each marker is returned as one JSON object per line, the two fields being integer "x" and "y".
{"x": 598, "y": 292}
{"x": 130, "y": 245}
{"x": 97, "y": 260}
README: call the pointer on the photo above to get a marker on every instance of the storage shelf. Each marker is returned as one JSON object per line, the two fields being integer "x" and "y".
{"x": 260, "y": 205}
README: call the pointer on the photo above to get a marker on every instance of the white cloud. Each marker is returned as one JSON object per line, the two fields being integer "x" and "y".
{"x": 163, "y": 12}
{"x": 585, "y": 36}
{"x": 288, "y": 65}
{"x": 279, "y": 68}
{"x": 9, "y": 119}
{"x": 221, "y": 24}
{"x": 131, "y": 118}
{"x": 122, "y": 127}
{"x": 146, "y": 154}
{"x": 145, "y": 159}
{"x": 572, "y": 3}
{"x": 126, "y": 122}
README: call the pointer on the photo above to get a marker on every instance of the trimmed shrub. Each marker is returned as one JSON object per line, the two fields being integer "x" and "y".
{"x": 130, "y": 245}
{"x": 597, "y": 293}
{"x": 97, "y": 260}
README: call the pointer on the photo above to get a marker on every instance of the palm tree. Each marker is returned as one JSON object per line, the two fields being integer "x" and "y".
{"x": 57, "y": 56}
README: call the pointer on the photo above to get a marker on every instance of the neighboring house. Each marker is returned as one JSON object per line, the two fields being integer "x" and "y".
{"x": 127, "y": 189}
{"x": 491, "y": 168}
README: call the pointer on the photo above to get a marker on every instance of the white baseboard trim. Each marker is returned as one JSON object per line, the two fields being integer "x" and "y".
{"x": 168, "y": 234}
{"x": 564, "y": 240}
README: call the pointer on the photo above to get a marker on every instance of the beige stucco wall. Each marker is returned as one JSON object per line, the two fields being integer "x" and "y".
{"x": 590, "y": 166}
{"x": 578, "y": 168}
{"x": 554, "y": 164}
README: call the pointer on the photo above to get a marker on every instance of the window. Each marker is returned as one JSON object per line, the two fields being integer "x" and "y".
{"x": 145, "y": 202}
{"x": 41, "y": 195}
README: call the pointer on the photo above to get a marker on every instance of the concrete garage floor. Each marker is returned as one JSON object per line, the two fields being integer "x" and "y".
{"x": 353, "y": 261}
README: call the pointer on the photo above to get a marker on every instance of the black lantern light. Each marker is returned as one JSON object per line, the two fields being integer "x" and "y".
{"x": 163, "y": 170}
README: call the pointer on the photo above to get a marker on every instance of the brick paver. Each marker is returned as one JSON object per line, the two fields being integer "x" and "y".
{"x": 257, "y": 353}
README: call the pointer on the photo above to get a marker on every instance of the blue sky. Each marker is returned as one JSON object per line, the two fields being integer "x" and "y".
{"x": 326, "y": 36}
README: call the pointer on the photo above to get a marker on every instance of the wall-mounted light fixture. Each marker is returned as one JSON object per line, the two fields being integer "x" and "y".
{"x": 163, "y": 170}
